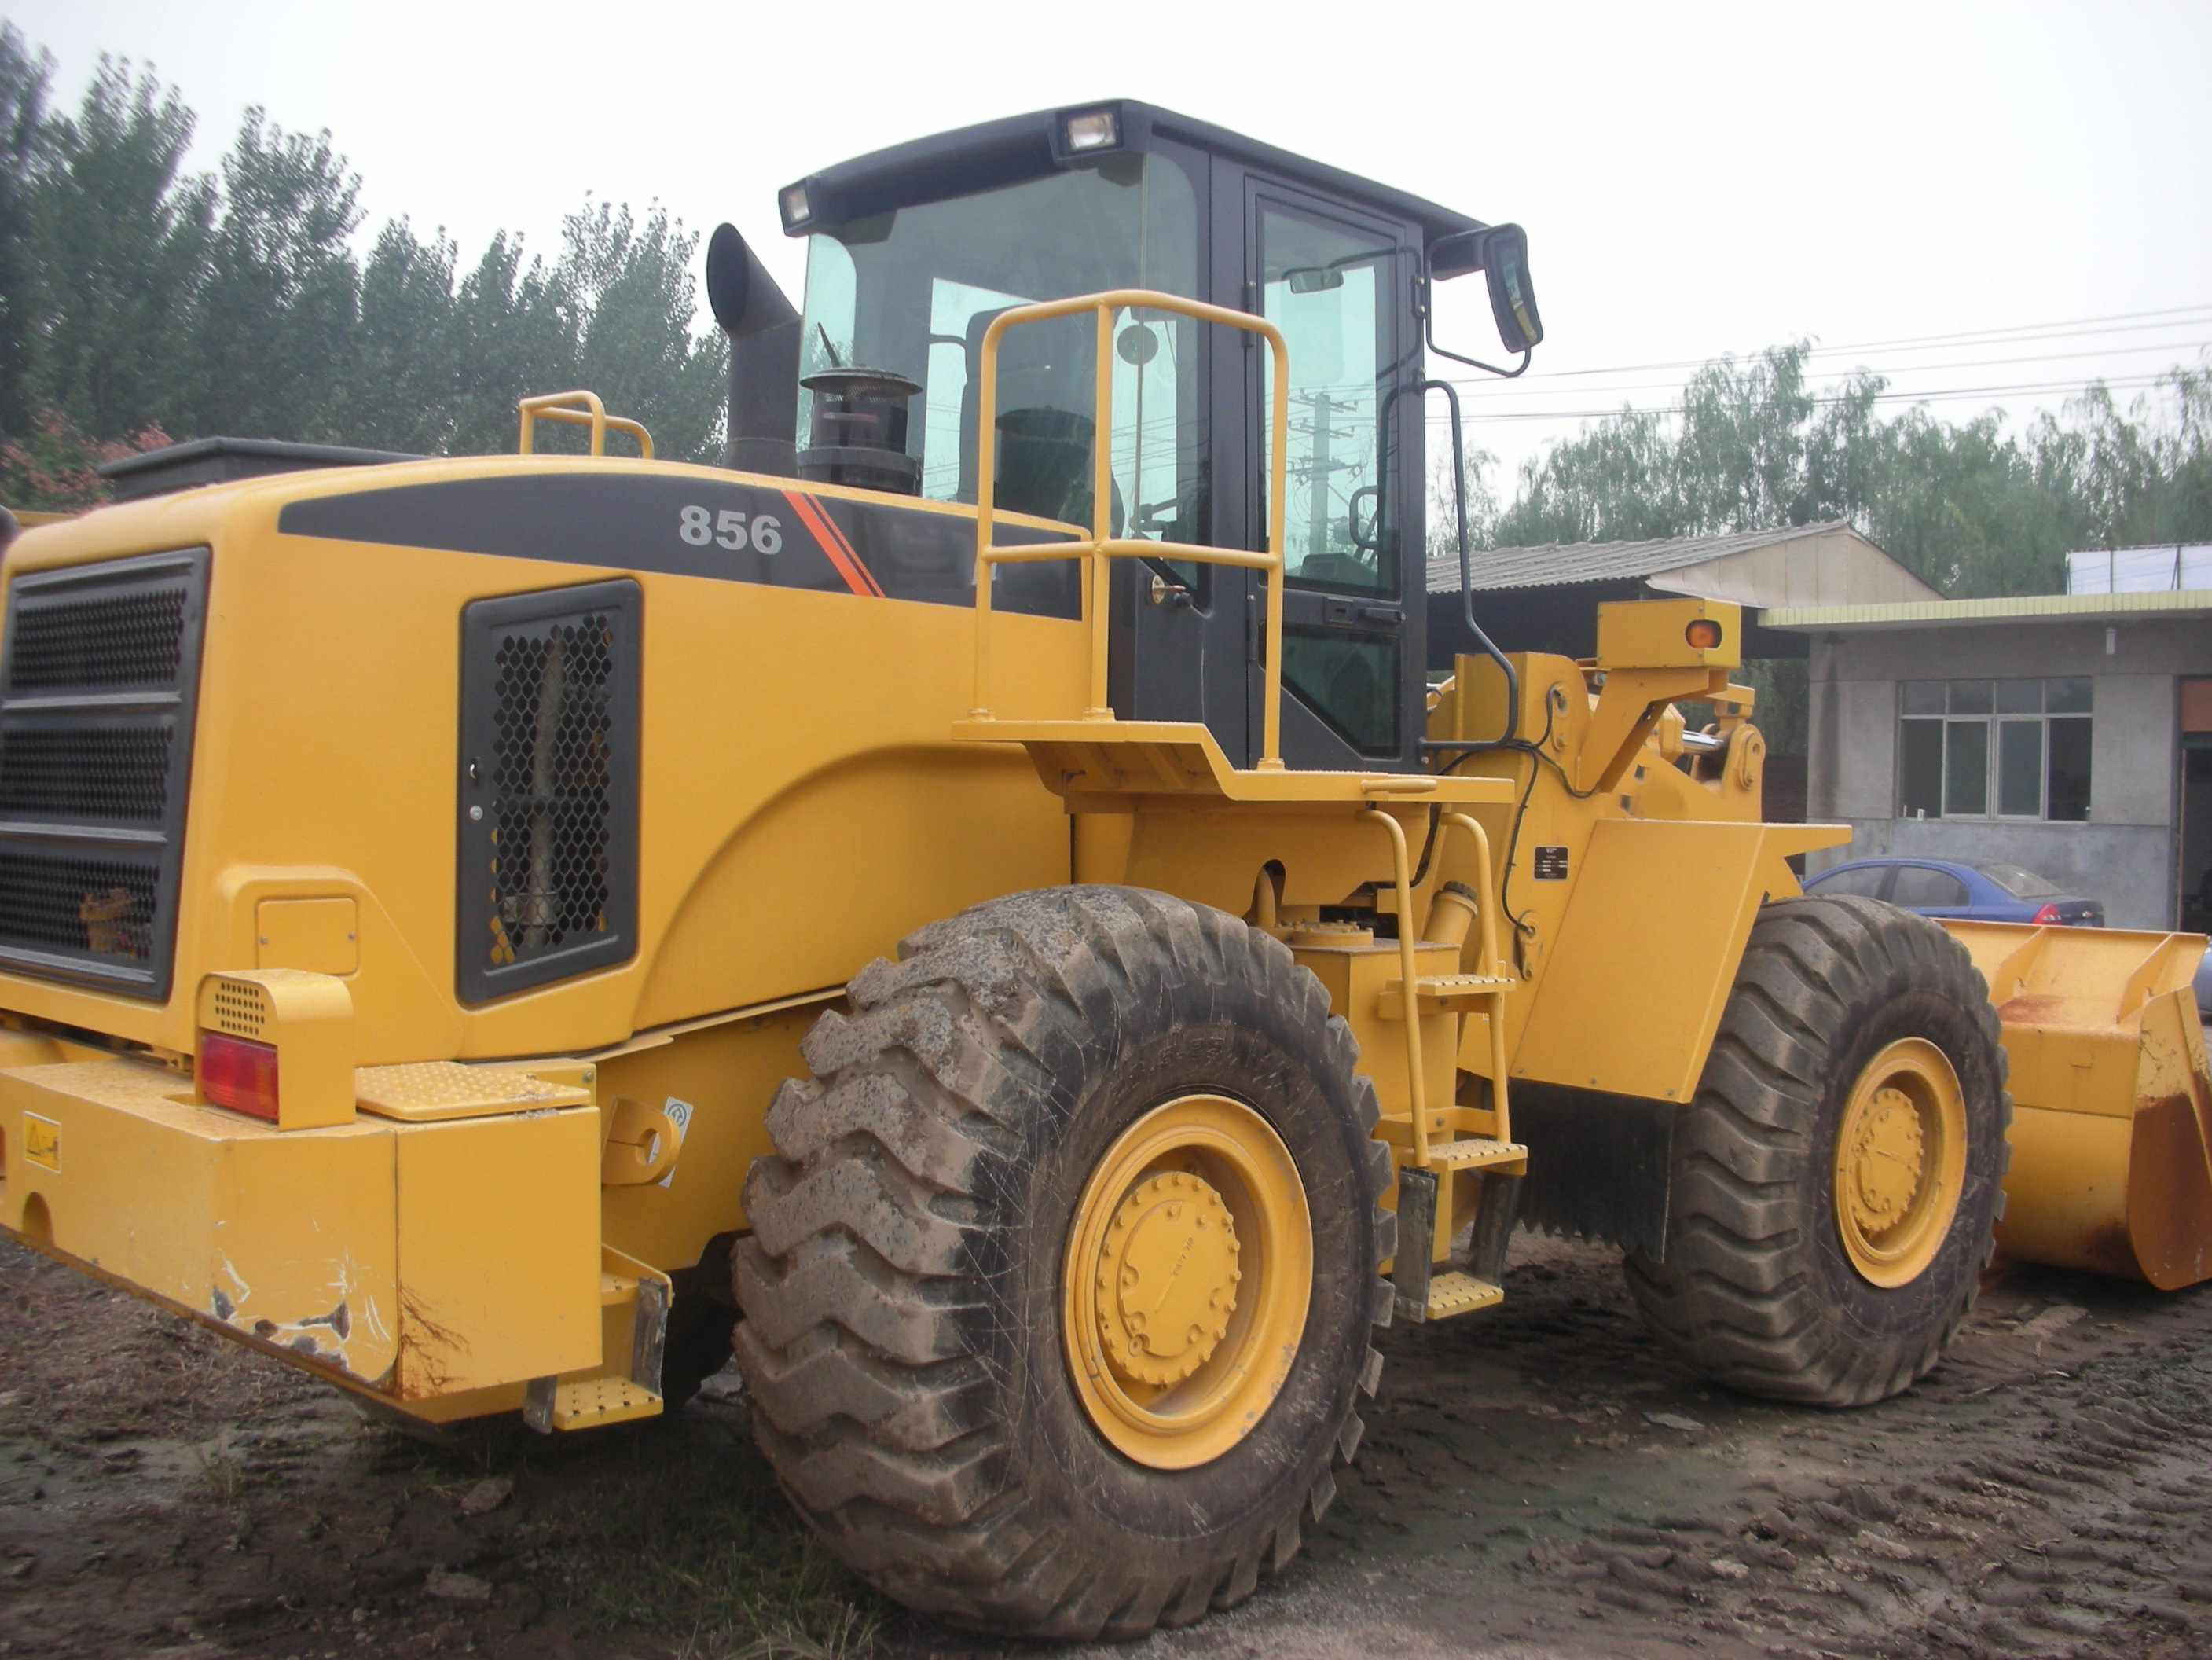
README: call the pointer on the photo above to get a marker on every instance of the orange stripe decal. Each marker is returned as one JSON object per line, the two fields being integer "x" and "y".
{"x": 857, "y": 577}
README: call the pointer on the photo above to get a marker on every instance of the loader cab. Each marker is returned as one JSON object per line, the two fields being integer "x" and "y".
{"x": 912, "y": 252}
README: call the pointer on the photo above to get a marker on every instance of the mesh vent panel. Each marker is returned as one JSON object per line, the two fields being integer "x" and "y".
{"x": 95, "y": 908}
{"x": 548, "y": 865}
{"x": 106, "y": 774}
{"x": 548, "y": 871}
{"x": 118, "y": 640}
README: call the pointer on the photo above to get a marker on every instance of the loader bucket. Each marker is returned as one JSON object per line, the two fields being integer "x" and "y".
{"x": 2112, "y": 1127}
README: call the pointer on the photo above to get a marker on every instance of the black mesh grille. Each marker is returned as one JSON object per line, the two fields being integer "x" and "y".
{"x": 549, "y": 864}
{"x": 100, "y": 675}
{"x": 113, "y": 640}
{"x": 65, "y": 905}
{"x": 549, "y": 787}
{"x": 114, "y": 775}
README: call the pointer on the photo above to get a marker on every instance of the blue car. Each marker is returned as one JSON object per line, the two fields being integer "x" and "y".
{"x": 1976, "y": 893}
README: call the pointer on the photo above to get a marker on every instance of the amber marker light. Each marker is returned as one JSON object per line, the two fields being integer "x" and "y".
{"x": 238, "y": 1074}
{"x": 1703, "y": 633}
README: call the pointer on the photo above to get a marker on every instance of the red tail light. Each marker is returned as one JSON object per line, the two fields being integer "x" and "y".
{"x": 240, "y": 1075}
{"x": 2048, "y": 914}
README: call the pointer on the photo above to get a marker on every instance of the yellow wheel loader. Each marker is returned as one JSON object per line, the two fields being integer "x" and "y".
{"x": 984, "y": 908}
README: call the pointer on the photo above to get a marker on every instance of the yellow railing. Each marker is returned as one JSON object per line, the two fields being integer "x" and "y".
{"x": 1099, "y": 545}
{"x": 582, "y": 409}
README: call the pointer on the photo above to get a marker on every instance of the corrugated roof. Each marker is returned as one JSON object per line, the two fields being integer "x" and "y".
{"x": 2023, "y": 608}
{"x": 1563, "y": 563}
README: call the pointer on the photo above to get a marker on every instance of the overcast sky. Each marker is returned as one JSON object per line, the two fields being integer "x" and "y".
{"x": 1694, "y": 180}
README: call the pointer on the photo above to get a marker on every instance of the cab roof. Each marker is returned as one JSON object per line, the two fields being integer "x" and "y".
{"x": 993, "y": 153}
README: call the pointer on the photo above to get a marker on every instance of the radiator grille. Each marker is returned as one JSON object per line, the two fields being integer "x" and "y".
{"x": 62, "y": 904}
{"x": 111, "y": 775}
{"x": 111, "y": 640}
{"x": 99, "y": 673}
{"x": 548, "y": 786}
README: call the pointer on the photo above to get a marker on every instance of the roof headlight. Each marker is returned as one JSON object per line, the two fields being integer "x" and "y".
{"x": 798, "y": 210}
{"x": 1091, "y": 130}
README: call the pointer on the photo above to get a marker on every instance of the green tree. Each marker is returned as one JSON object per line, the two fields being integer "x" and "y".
{"x": 634, "y": 297}
{"x": 135, "y": 297}
{"x": 1968, "y": 508}
{"x": 404, "y": 376}
{"x": 519, "y": 332}
{"x": 273, "y": 336}
{"x": 119, "y": 240}
{"x": 23, "y": 81}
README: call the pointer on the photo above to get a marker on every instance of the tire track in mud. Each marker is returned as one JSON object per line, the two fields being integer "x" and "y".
{"x": 1549, "y": 1483}
{"x": 1538, "y": 1481}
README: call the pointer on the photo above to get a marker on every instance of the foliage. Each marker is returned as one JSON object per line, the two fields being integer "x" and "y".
{"x": 22, "y": 135}
{"x": 50, "y": 468}
{"x": 1970, "y": 508}
{"x": 134, "y": 295}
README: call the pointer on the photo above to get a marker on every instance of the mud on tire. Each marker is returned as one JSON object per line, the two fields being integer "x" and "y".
{"x": 1757, "y": 1290}
{"x": 902, "y": 1336}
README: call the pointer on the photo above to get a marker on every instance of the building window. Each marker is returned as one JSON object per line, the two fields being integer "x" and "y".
{"x": 1994, "y": 749}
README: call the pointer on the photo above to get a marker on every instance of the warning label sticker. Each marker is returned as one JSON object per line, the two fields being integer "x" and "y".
{"x": 679, "y": 1114}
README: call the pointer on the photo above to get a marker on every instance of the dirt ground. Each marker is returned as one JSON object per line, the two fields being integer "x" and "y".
{"x": 1535, "y": 1482}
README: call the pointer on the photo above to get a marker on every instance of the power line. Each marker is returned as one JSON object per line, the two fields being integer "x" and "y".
{"x": 2017, "y": 334}
{"x": 1517, "y": 391}
{"x": 2123, "y": 383}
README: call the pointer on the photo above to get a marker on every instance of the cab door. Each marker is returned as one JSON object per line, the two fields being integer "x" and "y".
{"x": 1337, "y": 281}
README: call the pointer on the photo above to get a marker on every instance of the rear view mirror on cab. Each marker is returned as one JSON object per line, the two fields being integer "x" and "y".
{"x": 1501, "y": 252}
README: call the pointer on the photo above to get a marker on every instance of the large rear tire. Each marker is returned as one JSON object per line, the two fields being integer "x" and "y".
{"x": 1834, "y": 1182}
{"x": 1064, "y": 1274}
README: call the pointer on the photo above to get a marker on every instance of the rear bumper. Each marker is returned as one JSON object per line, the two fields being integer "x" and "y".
{"x": 439, "y": 1266}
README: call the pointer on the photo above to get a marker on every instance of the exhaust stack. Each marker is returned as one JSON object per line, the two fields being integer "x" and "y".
{"x": 763, "y": 330}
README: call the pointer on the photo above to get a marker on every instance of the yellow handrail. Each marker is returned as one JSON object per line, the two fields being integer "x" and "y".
{"x": 1409, "y": 972}
{"x": 582, "y": 409}
{"x": 1101, "y": 544}
{"x": 1491, "y": 966}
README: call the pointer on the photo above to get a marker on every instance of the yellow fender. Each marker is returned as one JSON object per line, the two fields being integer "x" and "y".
{"x": 2111, "y": 1129}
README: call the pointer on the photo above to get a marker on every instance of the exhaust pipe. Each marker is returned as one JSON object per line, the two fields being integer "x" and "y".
{"x": 763, "y": 330}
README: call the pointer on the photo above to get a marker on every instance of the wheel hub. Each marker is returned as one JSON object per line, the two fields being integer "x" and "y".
{"x": 1900, "y": 1161}
{"x": 1167, "y": 1279}
{"x": 1186, "y": 1278}
{"x": 1885, "y": 1160}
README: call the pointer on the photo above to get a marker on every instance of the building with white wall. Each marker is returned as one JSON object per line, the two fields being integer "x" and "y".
{"x": 2068, "y": 734}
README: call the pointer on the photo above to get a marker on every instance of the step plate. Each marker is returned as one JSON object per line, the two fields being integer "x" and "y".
{"x": 1477, "y": 1152}
{"x": 1453, "y": 1293}
{"x": 602, "y": 1401}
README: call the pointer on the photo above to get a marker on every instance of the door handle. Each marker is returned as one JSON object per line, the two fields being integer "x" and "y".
{"x": 1352, "y": 614}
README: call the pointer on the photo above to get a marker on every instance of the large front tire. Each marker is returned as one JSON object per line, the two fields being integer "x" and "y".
{"x": 1834, "y": 1182}
{"x": 1061, "y": 1118}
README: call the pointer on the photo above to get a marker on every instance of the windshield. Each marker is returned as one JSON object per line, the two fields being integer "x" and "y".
{"x": 2020, "y": 883}
{"x": 912, "y": 291}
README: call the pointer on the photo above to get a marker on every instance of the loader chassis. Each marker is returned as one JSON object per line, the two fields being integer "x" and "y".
{"x": 1036, "y": 942}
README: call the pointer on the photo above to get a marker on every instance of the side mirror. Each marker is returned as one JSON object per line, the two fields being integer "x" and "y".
{"x": 1501, "y": 252}
{"x": 1512, "y": 294}
{"x": 743, "y": 297}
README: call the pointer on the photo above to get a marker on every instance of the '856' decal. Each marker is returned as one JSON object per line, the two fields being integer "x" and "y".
{"x": 729, "y": 530}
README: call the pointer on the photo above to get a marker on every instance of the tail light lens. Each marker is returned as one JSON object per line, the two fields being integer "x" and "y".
{"x": 238, "y": 1074}
{"x": 2048, "y": 914}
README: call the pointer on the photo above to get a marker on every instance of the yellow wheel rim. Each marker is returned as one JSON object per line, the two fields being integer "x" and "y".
{"x": 1188, "y": 1271}
{"x": 1900, "y": 1161}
